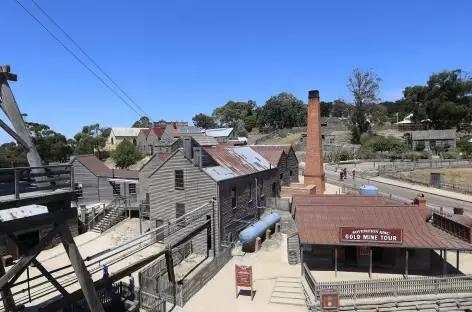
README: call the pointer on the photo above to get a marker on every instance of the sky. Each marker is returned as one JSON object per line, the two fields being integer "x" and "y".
{"x": 182, "y": 57}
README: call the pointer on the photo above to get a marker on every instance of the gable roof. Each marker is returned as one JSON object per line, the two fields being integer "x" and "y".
{"x": 161, "y": 156}
{"x": 167, "y": 142}
{"x": 158, "y": 131}
{"x": 126, "y": 132}
{"x": 320, "y": 224}
{"x": 234, "y": 162}
{"x": 179, "y": 150}
{"x": 145, "y": 132}
{"x": 433, "y": 134}
{"x": 99, "y": 169}
{"x": 219, "y": 132}
{"x": 205, "y": 140}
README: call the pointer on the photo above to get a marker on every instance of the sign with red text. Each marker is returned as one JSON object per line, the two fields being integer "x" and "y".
{"x": 243, "y": 278}
{"x": 367, "y": 235}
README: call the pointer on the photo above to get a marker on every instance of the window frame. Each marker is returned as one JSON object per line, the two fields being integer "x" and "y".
{"x": 180, "y": 186}
{"x": 177, "y": 215}
{"x": 114, "y": 186}
{"x": 135, "y": 189}
{"x": 78, "y": 187}
{"x": 234, "y": 200}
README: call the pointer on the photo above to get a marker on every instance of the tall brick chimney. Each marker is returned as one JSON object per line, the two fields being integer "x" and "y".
{"x": 314, "y": 173}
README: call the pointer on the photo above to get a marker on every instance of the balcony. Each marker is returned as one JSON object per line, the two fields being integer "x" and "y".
{"x": 21, "y": 186}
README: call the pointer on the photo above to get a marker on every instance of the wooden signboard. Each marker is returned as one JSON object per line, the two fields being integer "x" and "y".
{"x": 329, "y": 300}
{"x": 243, "y": 278}
{"x": 368, "y": 235}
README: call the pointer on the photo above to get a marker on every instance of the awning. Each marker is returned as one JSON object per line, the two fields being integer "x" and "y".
{"x": 123, "y": 181}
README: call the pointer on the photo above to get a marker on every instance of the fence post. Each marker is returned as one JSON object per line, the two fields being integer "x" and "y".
{"x": 181, "y": 287}
{"x": 355, "y": 291}
{"x": 17, "y": 184}
{"x": 436, "y": 287}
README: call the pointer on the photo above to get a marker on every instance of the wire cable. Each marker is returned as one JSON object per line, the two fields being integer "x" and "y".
{"x": 78, "y": 59}
{"x": 91, "y": 60}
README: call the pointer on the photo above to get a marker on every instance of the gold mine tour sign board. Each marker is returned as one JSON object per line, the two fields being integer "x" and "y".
{"x": 243, "y": 278}
{"x": 369, "y": 235}
{"x": 329, "y": 300}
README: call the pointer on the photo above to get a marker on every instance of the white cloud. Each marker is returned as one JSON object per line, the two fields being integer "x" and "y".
{"x": 392, "y": 95}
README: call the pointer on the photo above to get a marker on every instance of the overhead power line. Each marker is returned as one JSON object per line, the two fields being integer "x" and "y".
{"x": 78, "y": 59}
{"x": 90, "y": 59}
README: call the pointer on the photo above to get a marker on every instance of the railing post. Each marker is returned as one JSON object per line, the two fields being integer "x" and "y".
{"x": 72, "y": 183}
{"x": 355, "y": 291}
{"x": 17, "y": 184}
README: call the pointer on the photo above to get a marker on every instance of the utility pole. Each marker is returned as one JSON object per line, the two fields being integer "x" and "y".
{"x": 11, "y": 110}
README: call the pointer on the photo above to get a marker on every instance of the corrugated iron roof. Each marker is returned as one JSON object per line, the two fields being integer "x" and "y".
{"x": 166, "y": 142}
{"x": 205, "y": 140}
{"x": 159, "y": 131}
{"x": 164, "y": 156}
{"x": 126, "y": 132}
{"x": 219, "y": 132}
{"x": 273, "y": 155}
{"x": 98, "y": 168}
{"x": 285, "y": 147}
{"x": 145, "y": 131}
{"x": 234, "y": 162}
{"x": 22, "y": 212}
{"x": 448, "y": 134}
{"x": 320, "y": 224}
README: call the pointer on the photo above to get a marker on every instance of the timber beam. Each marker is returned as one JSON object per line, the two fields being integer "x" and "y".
{"x": 100, "y": 284}
{"x": 49, "y": 218}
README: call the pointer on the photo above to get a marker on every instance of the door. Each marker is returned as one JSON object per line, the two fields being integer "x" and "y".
{"x": 350, "y": 253}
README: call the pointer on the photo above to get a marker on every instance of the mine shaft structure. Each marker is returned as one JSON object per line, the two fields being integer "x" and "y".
{"x": 54, "y": 188}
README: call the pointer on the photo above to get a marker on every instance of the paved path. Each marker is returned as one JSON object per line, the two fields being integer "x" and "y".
{"x": 433, "y": 200}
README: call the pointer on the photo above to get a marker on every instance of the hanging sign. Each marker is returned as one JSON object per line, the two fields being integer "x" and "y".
{"x": 243, "y": 278}
{"x": 367, "y": 235}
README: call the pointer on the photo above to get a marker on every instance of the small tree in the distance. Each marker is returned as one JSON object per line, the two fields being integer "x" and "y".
{"x": 126, "y": 154}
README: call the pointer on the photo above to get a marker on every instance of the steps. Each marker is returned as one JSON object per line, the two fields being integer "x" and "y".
{"x": 288, "y": 290}
{"x": 115, "y": 216}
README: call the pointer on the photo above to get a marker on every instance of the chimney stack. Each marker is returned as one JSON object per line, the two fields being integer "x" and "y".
{"x": 421, "y": 202}
{"x": 314, "y": 173}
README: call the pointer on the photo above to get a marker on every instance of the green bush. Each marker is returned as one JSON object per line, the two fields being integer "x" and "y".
{"x": 413, "y": 156}
{"x": 446, "y": 147}
{"x": 425, "y": 155}
{"x": 339, "y": 154}
{"x": 448, "y": 156}
{"x": 126, "y": 154}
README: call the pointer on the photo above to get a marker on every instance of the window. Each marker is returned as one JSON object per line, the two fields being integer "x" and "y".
{"x": 134, "y": 141}
{"x": 79, "y": 191}
{"x": 179, "y": 179}
{"x": 233, "y": 198}
{"x": 250, "y": 191}
{"x": 116, "y": 189}
{"x": 112, "y": 141}
{"x": 167, "y": 150}
{"x": 179, "y": 212}
{"x": 281, "y": 179}
{"x": 261, "y": 187}
{"x": 291, "y": 175}
{"x": 132, "y": 189}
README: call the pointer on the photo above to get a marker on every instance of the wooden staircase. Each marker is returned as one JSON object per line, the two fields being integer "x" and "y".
{"x": 288, "y": 290}
{"x": 115, "y": 215}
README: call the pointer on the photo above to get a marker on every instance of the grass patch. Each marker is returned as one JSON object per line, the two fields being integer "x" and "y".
{"x": 452, "y": 175}
{"x": 292, "y": 138}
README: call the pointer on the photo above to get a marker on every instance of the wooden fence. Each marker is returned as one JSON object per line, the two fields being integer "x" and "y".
{"x": 391, "y": 287}
{"x": 151, "y": 302}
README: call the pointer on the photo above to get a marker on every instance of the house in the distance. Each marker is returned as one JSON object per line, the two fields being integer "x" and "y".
{"x": 180, "y": 131}
{"x": 282, "y": 156}
{"x": 148, "y": 138}
{"x": 118, "y": 135}
{"x": 222, "y": 134}
{"x": 430, "y": 139}
{"x": 96, "y": 183}
{"x": 237, "y": 179}
{"x": 167, "y": 145}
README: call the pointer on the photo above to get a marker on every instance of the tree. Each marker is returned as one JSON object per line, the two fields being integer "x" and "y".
{"x": 51, "y": 146}
{"x": 284, "y": 110}
{"x": 230, "y": 113}
{"x": 126, "y": 154}
{"x": 325, "y": 108}
{"x": 364, "y": 87}
{"x": 204, "y": 121}
{"x": 12, "y": 155}
{"x": 341, "y": 108}
{"x": 143, "y": 122}
{"x": 91, "y": 138}
{"x": 446, "y": 100}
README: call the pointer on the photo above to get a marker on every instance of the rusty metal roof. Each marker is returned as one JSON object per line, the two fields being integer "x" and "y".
{"x": 235, "y": 161}
{"x": 273, "y": 155}
{"x": 21, "y": 212}
{"x": 320, "y": 224}
{"x": 285, "y": 147}
{"x": 338, "y": 200}
{"x": 98, "y": 168}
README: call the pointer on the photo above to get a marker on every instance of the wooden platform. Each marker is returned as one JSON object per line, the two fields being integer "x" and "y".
{"x": 35, "y": 197}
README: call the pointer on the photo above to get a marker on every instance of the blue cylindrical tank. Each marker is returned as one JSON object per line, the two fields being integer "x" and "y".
{"x": 249, "y": 234}
{"x": 368, "y": 190}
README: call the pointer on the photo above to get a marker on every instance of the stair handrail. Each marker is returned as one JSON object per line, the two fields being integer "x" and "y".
{"x": 104, "y": 208}
{"x": 121, "y": 209}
